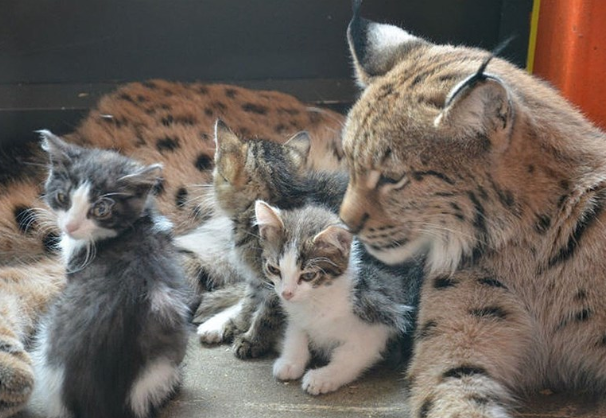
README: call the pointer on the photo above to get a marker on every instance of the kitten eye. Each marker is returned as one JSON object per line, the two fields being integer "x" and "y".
{"x": 308, "y": 277}
{"x": 61, "y": 197}
{"x": 102, "y": 209}
{"x": 273, "y": 269}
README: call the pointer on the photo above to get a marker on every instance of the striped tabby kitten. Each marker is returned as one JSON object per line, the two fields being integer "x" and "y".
{"x": 112, "y": 343}
{"x": 337, "y": 305}
{"x": 246, "y": 171}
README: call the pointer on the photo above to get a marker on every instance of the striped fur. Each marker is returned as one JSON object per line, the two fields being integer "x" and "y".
{"x": 501, "y": 184}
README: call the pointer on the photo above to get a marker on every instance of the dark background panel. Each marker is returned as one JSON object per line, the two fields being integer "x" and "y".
{"x": 58, "y": 56}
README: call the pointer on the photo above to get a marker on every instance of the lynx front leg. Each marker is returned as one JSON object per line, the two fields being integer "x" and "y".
{"x": 473, "y": 337}
{"x": 265, "y": 328}
{"x": 25, "y": 293}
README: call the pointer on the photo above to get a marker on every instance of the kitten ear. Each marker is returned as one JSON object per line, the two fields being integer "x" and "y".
{"x": 300, "y": 142}
{"x": 268, "y": 219}
{"x": 376, "y": 47}
{"x": 143, "y": 179}
{"x": 230, "y": 151}
{"x": 479, "y": 106}
{"x": 59, "y": 151}
{"x": 334, "y": 237}
{"x": 299, "y": 146}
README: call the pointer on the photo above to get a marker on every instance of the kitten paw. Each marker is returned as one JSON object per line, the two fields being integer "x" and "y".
{"x": 209, "y": 336}
{"x": 231, "y": 331}
{"x": 16, "y": 378}
{"x": 245, "y": 349}
{"x": 318, "y": 381}
{"x": 287, "y": 370}
{"x": 217, "y": 332}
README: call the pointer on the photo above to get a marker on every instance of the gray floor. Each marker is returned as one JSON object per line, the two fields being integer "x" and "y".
{"x": 217, "y": 385}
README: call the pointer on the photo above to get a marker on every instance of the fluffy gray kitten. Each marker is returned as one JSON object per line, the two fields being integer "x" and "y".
{"x": 342, "y": 308}
{"x": 112, "y": 343}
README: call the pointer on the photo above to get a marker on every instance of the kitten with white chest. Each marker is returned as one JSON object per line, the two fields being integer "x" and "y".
{"x": 112, "y": 343}
{"x": 341, "y": 307}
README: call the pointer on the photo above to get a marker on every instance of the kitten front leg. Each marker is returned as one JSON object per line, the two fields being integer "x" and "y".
{"x": 348, "y": 361}
{"x": 265, "y": 328}
{"x": 295, "y": 355}
{"x": 216, "y": 330}
{"x": 225, "y": 314}
{"x": 468, "y": 357}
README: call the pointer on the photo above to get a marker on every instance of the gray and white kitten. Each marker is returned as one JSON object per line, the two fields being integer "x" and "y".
{"x": 112, "y": 343}
{"x": 344, "y": 309}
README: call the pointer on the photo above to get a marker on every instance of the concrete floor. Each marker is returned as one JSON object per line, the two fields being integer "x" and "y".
{"x": 217, "y": 385}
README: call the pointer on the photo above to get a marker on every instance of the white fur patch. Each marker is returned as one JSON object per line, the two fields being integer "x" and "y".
{"x": 290, "y": 273}
{"x": 162, "y": 224}
{"x": 211, "y": 331}
{"x": 165, "y": 301}
{"x": 74, "y": 222}
{"x": 382, "y": 36}
{"x": 78, "y": 230}
{"x": 49, "y": 381}
{"x": 157, "y": 381}
{"x": 213, "y": 244}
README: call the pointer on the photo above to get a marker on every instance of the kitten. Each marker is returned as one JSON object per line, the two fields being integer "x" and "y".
{"x": 112, "y": 343}
{"x": 342, "y": 308}
{"x": 244, "y": 172}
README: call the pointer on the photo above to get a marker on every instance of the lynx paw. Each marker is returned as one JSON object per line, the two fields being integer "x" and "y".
{"x": 318, "y": 381}
{"x": 287, "y": 370}
{"x": 16, "y": 378}
{"x": 245, "y": 349}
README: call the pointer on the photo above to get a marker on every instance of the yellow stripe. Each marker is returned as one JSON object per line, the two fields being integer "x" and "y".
{"x": 532, "y": 41}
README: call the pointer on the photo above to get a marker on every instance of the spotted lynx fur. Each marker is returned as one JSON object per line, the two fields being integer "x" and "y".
{"x": 155, "y": 121}
{"x": 501, "y": 183}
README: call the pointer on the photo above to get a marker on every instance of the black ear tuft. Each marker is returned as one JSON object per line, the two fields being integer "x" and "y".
{"x": 376, "y": 47}
{"x": 358, "y": 27}
{"x": 480, "y": 75}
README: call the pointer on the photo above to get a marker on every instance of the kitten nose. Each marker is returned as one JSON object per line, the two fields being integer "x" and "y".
{"x": 287, "y": 294}
{"x": 71, "y": 227}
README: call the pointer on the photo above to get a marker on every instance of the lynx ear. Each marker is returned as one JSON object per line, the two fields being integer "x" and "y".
{"x": 376, "y": 47}
{"x": 300, "y": 143}
{"x": 230, "y": 152}
{"x": 59, "y": 151}
{"x": 268, "y": 219}
{"x": 479, "y": 106}
{"x": 334, "y": 237}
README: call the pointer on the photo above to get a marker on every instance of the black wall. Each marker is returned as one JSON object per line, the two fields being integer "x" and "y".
{"x": 58, "y": 56}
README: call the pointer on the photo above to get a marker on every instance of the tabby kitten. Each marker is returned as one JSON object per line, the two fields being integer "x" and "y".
{"x": 246, "y": 171}
{"x": 344, "y": 309}
{"x": 112, "y": 343}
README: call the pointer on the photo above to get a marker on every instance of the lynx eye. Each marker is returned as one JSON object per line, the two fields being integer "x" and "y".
{"x": 309, "y": 276}
{"x": 102, "y": 208}
{"x": 393, "y": 180}
{"x": 272, "y": 269}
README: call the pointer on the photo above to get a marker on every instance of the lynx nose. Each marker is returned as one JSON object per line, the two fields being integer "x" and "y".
{"x": 287, "y": 294}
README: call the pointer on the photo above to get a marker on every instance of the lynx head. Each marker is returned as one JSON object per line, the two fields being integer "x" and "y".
{"x": 254, "y": 169}
{"x": 444, "y": 148}
{"x": 95, "y": 193}
{"x": 302, "y": 249}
